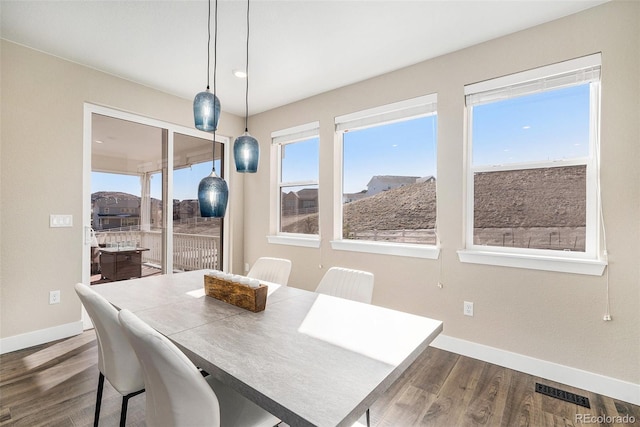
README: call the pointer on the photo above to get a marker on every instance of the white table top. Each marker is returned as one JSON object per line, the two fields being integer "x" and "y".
{"x": 309, "y": 359}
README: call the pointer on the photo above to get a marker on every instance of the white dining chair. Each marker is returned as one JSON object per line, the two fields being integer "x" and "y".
{"x": 177, "y": 393}
{"x": 356, "y": 285}
{"x": 347, "y": 283}
{"x": 117, "y": 361}
{"x": 275, "y": 270}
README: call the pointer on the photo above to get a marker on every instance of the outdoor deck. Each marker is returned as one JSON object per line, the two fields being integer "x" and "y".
{"x": 190, "y": 251}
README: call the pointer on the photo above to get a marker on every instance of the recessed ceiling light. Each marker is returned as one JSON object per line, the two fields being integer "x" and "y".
{"x": 240, "y": 74}
{"x": 98, "y": 141}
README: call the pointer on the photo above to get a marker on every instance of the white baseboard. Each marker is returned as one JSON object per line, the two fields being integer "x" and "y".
{"x": 606, "y": 386}
{"x": 18, "y": 342}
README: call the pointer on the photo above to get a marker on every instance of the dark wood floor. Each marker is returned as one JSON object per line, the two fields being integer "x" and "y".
{"x": 54, "y": 385}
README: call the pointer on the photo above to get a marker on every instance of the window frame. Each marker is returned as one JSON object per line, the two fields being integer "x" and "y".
{"x": 409, "y": 109}
{"x": 278, "y": 140}
{"x": 592, "y": 261}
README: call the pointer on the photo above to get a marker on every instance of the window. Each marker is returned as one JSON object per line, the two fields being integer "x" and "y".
{"x": 533, "y": 150}
{"x": 296, "y": 151}
{"x": 388, "y": 194}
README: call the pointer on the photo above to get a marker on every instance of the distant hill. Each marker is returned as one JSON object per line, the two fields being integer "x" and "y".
{"x": 410, "y": 206}
{"x": 503, "y": 199}
{"x": 113, "y": 194}
{"x": 546, "y": 197}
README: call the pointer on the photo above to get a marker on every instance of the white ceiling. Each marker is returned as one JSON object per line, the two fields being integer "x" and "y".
{"x": 298, "y": 48}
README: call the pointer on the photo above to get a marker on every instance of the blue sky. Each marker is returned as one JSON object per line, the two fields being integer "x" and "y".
{"x": 300, "y": 161}
{"x": 552, "y": 125}
{"x": 405, "y": 148}
{"x": 548, "y": 126}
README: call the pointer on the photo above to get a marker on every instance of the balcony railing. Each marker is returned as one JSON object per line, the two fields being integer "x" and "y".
{"x": 190, "y": 251}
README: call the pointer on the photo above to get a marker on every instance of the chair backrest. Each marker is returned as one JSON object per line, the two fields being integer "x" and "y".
{"x": 346, "y": 283}
{"x": 275, "y": 270}
{"x": 176, "y": 392}
{"x": 116, "y": 358}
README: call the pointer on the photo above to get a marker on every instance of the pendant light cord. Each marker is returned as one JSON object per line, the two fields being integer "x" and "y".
{"x": 215, "y": 47}
{"x": 215, "y": 67}
{"x": 246, "y": 72}
{"x": 208, "y": 41}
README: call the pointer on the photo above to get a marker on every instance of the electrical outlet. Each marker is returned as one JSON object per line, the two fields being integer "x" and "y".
{"x": 54, "y": 297}
{"x": 468, "y": 308}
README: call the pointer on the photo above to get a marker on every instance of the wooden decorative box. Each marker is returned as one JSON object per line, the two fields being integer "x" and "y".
{"x": 243, "y": 296}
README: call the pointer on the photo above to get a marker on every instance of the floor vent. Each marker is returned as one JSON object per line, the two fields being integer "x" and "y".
{"x": 563, "y": 395}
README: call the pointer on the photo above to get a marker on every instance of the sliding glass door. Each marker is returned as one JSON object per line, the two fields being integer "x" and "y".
{"x": 197, "y": 241}
{"x": 127, "y": 161}
{"x": 141, "y": 181}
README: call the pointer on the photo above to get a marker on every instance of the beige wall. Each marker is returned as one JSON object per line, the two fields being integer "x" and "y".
{"x": 555, "y": 317}
{"x": 41, "y": 173}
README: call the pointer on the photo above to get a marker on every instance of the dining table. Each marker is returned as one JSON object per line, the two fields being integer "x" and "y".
{"x": 309, "y": 359}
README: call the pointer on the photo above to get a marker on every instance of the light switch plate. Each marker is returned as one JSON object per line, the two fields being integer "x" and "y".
{"x": 60, "y": 221}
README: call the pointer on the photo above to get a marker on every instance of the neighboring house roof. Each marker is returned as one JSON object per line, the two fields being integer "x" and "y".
{"x": 392, "y": 179}
{"x": 308, "y": 194}
{"x": 355, "y": 196}
{"x": 291, "y": 195}
{"x": 427, "y": 178}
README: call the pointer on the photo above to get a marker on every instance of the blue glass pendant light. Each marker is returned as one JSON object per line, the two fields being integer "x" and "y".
{"x": 213, "y": 195}
{"x": 213, "y": 192}
{"x": 206, "y": 110}
{"x": 206, "y": 105}
{"x": 246, "y": 150}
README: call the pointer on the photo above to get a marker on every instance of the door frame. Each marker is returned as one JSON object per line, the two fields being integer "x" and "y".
{"x": 172, "y": 128}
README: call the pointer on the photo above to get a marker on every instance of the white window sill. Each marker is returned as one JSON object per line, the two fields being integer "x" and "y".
{"x": 590, "y": 267}
{"x": 387, "y": 248}
{"x": 310, "y": 241}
